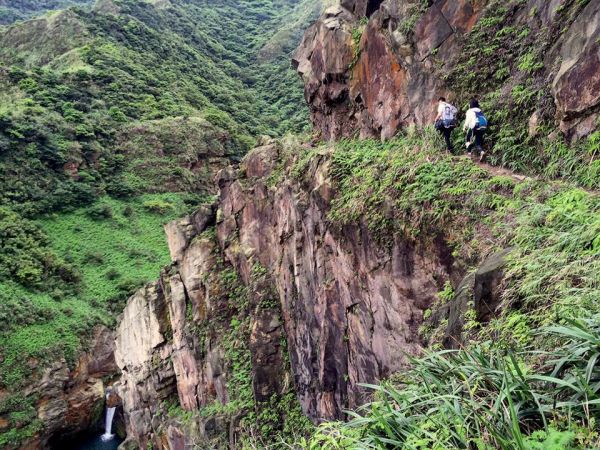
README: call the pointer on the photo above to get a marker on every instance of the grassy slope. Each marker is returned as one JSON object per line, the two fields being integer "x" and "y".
{"x": 264, "y": 58}
{"x": 408, "y": 186}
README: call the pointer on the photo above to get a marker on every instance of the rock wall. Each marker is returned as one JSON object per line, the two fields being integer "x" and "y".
{"x": 175, "y": 342}
{"x": 346, "y": 308}
{"x": 71, "y": 401}
{"x": 351, "y": 308}
{"x": 374, "y": 79}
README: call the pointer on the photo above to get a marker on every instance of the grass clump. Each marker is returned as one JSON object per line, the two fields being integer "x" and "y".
{"x": 485, "y": 397}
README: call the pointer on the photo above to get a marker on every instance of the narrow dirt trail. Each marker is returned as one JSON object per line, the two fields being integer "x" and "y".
{"x": 501, "y": 171}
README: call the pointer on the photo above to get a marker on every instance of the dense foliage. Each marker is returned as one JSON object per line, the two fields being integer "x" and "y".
{"x": 62, "y": 125}
{"x": 11, "y": 10}
{"x": 112, "y": 122}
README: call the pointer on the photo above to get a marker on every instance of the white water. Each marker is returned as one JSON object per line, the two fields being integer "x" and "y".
{"x": 107, "y": 436}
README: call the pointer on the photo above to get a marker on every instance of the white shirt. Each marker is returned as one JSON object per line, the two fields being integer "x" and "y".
{"x": 471, "y": 120}
{"x": 446, "y": 111}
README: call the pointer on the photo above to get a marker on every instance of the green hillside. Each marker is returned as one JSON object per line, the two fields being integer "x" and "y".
{"x": 112, "y": 122}
{"x": 11, "y": 11}
{"x": 70, "y": 81}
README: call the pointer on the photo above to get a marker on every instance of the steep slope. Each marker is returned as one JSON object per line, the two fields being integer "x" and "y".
{"x": 321, "y": 274}
{"x": 373, "y": 67}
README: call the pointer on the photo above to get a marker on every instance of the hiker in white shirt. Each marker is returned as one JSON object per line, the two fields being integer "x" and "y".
{"x": 445, "y": 121}
{"x": 475, "y": 126}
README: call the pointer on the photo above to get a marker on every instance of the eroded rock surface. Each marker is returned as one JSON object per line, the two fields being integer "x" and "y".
{"x": 71, "y": 401}
{"x": 171, "y": 341}
{"x": 376, "y": 79}
{"x": 348, "y": 308}
{"x": 481, "y": 291}
{"x": 351, "y": 309}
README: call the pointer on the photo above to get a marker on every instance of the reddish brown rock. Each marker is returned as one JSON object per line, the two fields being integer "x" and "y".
{"x": 377, "y": 83}
{"x": 163, "y": 356}
{"x": 351, "y": 309}
{"x": 576, "y": 86}
{"x": 393, "y": 77}
{"x": 431, "y": 31}
{"x": 323, "y": 60}
{"x": 70, "y": 401}
{"x": 481, "y": 290}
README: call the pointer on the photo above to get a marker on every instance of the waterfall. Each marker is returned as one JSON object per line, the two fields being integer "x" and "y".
{"x": 110, "y": 412}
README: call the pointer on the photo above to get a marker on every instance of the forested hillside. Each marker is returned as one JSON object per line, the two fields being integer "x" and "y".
{"x": 113, "y": 120}
{"x": 13, "y": 10}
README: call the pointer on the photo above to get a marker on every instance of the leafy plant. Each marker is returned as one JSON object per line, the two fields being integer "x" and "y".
{"x": 485, "y": 397}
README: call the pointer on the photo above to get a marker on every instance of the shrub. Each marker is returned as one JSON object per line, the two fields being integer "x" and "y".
{"x": 100, "y": 211}
{"x": 128, "y": 211}
{"x": 95, "y": 258}
{"x": 158, "y": 206}
{"x": 112, "y": 274}
{"x": 25, "y": 254}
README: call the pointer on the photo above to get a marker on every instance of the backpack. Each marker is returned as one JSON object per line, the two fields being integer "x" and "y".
{"x": 449, "y": 116}
{"x": 482, "y": 122}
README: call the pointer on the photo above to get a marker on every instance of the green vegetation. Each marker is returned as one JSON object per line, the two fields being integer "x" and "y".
{"x": 81, "y": 87}
{"x": 100, "y": 259}
{"x": 73, "y": 271}
{"x": 110, "y": 117}
{"x": 509, "y": 59}
{"x": 414, "y": 13}
{"x": 25, "y": 9}
{"x": 22, "y": 419}
{"x": 483, "y": 397}
{"x": 406, "y": 186}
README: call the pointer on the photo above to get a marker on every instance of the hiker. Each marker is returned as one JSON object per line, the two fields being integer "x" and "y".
{"x": 475, "y": 126}
{"x": 445, "y": 121}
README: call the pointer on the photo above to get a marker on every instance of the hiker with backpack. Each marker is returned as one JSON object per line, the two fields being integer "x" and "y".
{"x": 445, "y": 121}
{"x": 475, "y": 126}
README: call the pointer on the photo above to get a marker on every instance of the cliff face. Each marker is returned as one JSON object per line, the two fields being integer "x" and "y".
{"x": 351, "y": 308}
{"x": 316, "y": 309}
{"x": 198, "y": 338}
{"x": 71, "y": 400}
{"x": 371, "y": 67}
